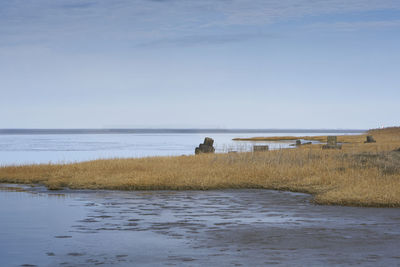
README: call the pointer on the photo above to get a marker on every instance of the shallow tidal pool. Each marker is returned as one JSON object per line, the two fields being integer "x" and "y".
{"x": 191, "y": 228}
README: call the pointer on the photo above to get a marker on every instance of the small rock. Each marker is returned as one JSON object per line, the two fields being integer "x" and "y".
{"x": 332, "y": 143}
{"x": 260, "y": 148}
{"x": 370, "y": 139}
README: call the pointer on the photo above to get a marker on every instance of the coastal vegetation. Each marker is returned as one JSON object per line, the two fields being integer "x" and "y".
{"x": 354, "y": 139}
{"x": 359, "y": 174}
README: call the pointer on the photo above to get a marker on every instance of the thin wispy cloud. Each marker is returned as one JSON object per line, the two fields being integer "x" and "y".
{"x": 207, "y": 39}
{"x": 152, "y": 21}
{"x": 356, "y": 25}
{"x": 259, "y": 11}
{"x": 79, "y": 5}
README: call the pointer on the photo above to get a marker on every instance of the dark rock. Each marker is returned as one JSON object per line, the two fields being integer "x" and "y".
{"x": 332, "y": 143}
{"x": 206, "y": 147}
{"x": 332, "y": 140}
{"x": 298, "y": 142}
{"x": 208, "y": 141}
{"x": 370, "y": 139}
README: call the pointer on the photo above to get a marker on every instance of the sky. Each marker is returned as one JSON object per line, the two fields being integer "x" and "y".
{"x": 199, "y": 64}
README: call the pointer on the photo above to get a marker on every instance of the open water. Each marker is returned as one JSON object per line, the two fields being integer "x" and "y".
{"x": 44, "y": 146}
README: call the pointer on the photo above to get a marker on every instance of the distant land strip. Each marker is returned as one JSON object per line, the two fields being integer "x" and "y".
{"x": 169, "y": 131}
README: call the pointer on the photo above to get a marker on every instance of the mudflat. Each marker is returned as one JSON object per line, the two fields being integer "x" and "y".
{"x": 219, "y": 227}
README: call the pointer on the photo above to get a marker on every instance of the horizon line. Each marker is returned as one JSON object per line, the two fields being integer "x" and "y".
{"x": 5, "y": 131}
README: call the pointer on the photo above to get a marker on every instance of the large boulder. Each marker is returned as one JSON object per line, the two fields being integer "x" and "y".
{"x": 206, "y": 147}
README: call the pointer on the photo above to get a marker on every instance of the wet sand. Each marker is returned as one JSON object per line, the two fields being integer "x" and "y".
{"x": 191, "y": 228}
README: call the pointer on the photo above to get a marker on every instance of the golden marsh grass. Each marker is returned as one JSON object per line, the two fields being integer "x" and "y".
{"x": 359, "y": 174}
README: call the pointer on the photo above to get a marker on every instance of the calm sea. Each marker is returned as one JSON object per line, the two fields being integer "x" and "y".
{"x": 43, "y": 146}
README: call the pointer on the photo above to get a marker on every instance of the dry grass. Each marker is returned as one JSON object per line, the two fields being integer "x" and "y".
{"x": 359, "y": 174}
{"x": 321, "y": 138}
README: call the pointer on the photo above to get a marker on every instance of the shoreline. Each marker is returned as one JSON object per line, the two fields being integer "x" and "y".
{"x": 359, "y": 174}
{"x": 11, "y": 187}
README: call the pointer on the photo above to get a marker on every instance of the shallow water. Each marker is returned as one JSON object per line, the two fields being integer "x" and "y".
{"x": 191, "y": 228}
{"x": 61, "y": 147}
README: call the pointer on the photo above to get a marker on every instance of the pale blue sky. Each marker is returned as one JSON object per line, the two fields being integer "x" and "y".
{"x": 196, "y": 64}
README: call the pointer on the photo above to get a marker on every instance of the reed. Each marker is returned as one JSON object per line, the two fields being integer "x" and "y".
{"x": 359, "y": 174}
